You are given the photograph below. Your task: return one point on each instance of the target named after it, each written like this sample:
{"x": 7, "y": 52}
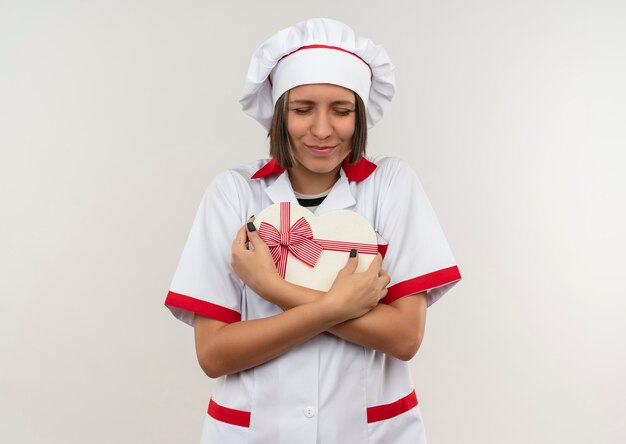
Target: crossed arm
{"x": 349, "y": 310}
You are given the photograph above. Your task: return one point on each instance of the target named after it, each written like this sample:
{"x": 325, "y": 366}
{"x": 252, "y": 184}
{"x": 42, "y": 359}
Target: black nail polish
{"x": 251, "y": 226}
{"x": 353, "y": 252}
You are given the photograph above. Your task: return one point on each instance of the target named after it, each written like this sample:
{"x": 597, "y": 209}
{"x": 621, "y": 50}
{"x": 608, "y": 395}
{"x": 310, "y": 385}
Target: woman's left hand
{"x": 255, "y": 267}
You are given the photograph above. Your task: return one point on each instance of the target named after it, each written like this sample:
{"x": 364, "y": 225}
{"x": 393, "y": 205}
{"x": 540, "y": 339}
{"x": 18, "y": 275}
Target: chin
{"x": 321, "y": 166}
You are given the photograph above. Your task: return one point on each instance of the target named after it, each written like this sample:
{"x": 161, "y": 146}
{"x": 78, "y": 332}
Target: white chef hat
{"x": 317, "y": 50}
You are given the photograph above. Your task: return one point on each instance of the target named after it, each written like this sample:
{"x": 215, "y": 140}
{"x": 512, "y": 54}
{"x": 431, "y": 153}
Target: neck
{"x": 311, "y": 183}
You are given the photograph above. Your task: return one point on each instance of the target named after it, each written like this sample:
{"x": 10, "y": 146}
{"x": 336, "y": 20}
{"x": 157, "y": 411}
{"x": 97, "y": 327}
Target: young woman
{"x": 295, "y": 365}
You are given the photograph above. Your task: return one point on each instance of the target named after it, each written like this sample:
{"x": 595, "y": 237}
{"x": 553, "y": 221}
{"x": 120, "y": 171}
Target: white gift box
{"x": 310, "y": 250}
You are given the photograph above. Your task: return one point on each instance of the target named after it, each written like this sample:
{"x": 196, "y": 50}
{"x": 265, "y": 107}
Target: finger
{"x": 253, "y": 236}
{"x": 386, "y": 279}
{"x": 382, "y": 273}
{"x": 352, "y": 263}
{"x": 376, "y": 263}
{"x": 383, "y": 281}
{"x": 383, "y": 293}
{"x": 240, "y": 238}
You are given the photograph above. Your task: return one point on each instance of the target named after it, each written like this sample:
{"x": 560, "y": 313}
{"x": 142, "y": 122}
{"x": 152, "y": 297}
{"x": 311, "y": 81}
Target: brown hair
{"x": 280, "y": 146}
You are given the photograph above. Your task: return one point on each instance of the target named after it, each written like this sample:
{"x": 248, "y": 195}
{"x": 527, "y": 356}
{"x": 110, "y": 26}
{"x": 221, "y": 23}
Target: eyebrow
{"x": 311, "y": 102}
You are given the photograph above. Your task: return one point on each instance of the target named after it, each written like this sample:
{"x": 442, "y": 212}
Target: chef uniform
{"x": 326, "y": 390}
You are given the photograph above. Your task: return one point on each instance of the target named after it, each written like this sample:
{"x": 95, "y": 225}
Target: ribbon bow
{"x": 296, "y": 239}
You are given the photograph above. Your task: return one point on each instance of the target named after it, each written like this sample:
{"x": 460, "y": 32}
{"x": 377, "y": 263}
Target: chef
{"x": 292, "y": 364}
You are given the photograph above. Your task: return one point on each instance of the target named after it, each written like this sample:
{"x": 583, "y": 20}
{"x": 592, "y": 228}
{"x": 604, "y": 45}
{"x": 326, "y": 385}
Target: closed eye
{"x": 343, "y": 111}
{"x": 301, "y": 110}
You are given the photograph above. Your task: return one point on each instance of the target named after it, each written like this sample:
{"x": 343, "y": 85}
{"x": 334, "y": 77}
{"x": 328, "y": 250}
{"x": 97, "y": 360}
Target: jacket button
{"x": 309, "y": 412}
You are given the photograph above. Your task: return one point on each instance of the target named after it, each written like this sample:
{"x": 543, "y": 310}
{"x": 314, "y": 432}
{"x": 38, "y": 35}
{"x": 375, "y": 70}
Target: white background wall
{"x": 114, "y": 115}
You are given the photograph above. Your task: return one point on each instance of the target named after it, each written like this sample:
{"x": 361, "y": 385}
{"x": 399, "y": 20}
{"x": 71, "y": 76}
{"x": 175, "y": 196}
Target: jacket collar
{"x": 357, "y": 172}
{"x": 340, "y": 196}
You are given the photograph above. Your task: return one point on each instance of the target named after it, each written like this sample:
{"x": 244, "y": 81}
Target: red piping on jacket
{"x": 202, "y": 308}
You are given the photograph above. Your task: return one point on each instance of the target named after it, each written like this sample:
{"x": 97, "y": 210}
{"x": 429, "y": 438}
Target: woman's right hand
{"x": 255, "y": 267}
{"x": 354, "y": 294}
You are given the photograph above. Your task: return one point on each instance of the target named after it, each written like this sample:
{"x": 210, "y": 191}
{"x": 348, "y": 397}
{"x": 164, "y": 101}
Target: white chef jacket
{"x": 326, "y": 390}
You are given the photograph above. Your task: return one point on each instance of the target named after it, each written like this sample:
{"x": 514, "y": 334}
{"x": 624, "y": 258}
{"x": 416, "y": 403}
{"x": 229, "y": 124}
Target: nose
{"x": 321, "y": 126}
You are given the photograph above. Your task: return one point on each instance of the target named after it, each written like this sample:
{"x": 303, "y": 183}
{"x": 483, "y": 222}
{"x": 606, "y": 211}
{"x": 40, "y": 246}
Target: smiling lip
{"x": 321, "y": 150}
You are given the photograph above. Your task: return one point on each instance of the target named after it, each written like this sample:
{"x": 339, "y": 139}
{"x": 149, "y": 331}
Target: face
{"x": 320, "y": 122}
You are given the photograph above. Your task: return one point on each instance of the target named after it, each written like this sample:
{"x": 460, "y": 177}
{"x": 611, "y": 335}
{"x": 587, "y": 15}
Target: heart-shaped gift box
{"x": 310, "y": 250}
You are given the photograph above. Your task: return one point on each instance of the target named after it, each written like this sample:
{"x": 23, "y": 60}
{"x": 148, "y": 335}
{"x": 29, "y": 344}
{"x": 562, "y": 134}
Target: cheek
{"x": 346, "y": 130}
{"x": 296, "y": 128}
